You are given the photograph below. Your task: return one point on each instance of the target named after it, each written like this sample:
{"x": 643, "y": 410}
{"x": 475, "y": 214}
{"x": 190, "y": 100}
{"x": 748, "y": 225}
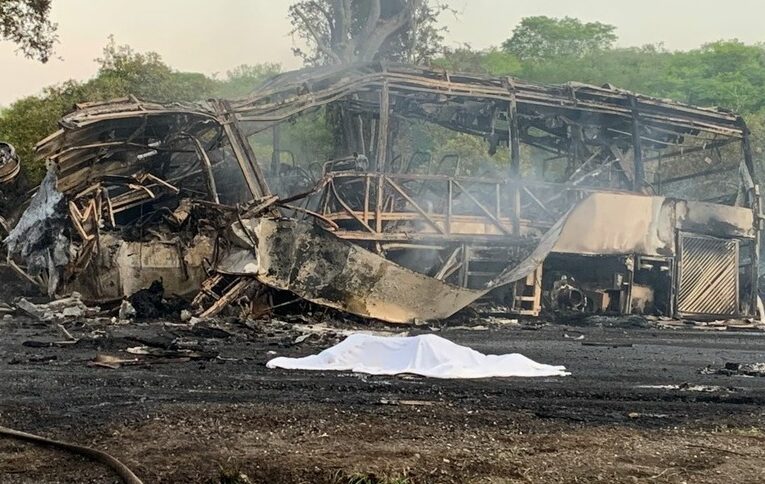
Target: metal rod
{"x": 382, "y": 144}
{"x": 638, "y": 181}
{"x": 486, "y": 211}
{"x": 414, "y": 204}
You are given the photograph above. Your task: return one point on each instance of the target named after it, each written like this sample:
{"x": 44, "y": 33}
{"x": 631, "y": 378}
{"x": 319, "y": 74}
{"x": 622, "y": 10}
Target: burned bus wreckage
{"x": 601, "y": 200}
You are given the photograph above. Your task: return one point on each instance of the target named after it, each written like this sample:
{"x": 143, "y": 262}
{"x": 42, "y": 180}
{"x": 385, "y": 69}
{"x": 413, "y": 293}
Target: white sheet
{"x": 426, "y": 355}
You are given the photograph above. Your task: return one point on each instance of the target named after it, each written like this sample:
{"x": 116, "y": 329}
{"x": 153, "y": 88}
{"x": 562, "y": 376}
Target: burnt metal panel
{"x": 707, "y": 276}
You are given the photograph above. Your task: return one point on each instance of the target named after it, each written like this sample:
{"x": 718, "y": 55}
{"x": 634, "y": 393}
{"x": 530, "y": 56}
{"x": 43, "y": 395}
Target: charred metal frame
{"x": 115, "y": 158}
{"x": 634, "y": 130}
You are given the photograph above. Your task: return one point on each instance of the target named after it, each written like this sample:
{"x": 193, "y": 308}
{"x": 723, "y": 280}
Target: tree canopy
{"x": 725, "y": 73}
{"x": 345, "y": 31}
{"x": 539, "y": 38}
{"x": 27, "y": 24}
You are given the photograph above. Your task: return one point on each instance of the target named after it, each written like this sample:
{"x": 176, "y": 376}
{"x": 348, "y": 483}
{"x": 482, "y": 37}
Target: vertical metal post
{"x": 515, "y": 160}
{"x": 639, "y": 181}
{"x": 360, "y": 134}
{"x": 382, "y": 152}
{"x": 366, "y": 198}
{"x": 379, "y": 203}
{"x": 275, "y": 156}
{"x": 207, "y": 171}
{"x": 449, "y": 196}
{"x": 382, "y": 142}
{"x": 373, "y": 135}
{"x": 465, "y": 272}
{"x": 658, "y": 174}
{"x": 756, "y": 251}
{"x": 498, "y": 200}
{"x": 240, "y": 145}
{"x": 756, "y": 206}
{"x": 746, "y": 146}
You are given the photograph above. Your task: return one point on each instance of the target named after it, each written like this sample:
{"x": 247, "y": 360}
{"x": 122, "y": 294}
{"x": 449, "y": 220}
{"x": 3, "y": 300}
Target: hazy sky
{"x": 215, "y": 35}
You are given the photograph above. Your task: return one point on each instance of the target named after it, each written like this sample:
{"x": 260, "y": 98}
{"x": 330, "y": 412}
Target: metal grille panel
{"x": 708, "y": 275}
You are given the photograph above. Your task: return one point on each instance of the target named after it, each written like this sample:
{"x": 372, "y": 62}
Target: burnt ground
{"x": 209, "y": 420}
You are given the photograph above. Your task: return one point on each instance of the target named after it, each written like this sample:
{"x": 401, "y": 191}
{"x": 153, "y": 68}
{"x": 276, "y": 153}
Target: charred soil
{"x": 637, "y": 407}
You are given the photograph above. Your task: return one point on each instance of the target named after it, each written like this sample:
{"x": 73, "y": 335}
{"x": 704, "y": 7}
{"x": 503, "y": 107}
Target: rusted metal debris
{"x": 9, "y": 163}
{"x": 140, "y": 192}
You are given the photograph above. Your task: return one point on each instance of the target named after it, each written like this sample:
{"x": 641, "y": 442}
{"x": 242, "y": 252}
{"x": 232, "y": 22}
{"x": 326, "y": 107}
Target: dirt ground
{"x": 636, "y": 408}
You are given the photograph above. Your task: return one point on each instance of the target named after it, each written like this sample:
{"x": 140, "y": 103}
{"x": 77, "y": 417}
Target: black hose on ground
{"x": 118, "y": 467}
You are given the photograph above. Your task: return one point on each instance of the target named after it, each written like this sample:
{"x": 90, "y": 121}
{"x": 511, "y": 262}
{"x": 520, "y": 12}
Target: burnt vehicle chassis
{"x": 651, "y": 206}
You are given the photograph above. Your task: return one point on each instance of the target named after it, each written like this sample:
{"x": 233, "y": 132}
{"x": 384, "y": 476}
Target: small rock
{"x": 186, "y": 315}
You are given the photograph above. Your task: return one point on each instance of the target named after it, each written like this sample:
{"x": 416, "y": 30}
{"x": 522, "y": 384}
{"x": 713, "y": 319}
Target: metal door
{"x": 707, "y": 276}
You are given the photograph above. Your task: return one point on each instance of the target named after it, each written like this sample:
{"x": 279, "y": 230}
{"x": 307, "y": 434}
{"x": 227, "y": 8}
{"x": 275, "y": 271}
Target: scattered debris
{"x": 497, "y": 321}
{"x": 127, "y": 310}
{"x": 111, "y": 362}
{"x": 741, "y": 369}
{"x": 577, "y": 337}
{"x": 302, "y": 338}
{"x": 647, "y": 415}
{"x": 68, "y": 307}
{"x": 150, "y": 303}
{"x": 721, "y": 325}
{"x": 606, "y": 344}
{"x": 687, "y": 387}
{"x": 151, "y": 355}
{"x": 182, "y": 354}
{"x": 413, "y": 403}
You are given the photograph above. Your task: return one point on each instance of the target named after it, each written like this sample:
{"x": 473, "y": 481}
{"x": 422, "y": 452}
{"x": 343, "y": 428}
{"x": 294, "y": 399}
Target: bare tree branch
{"x": 341, "y": 36}
{"x": 372, "y": 19}
{"x": 345, "y": 31}
{"x": 320, "y": 43}
{"x": 324, "y": 11}
{"x": 371, "y": 45}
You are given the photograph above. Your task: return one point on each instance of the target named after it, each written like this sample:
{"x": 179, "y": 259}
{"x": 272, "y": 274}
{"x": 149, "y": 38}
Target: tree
{"x": 493, "y": 62}
{"x": 243, "y": 79}
{"x": 725, "y": 73}
{"x": 539, "y": 38}
{"x": 346, "y": 31}
{"x": 27, "y": 24}
{"x": 121, "y": 72}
